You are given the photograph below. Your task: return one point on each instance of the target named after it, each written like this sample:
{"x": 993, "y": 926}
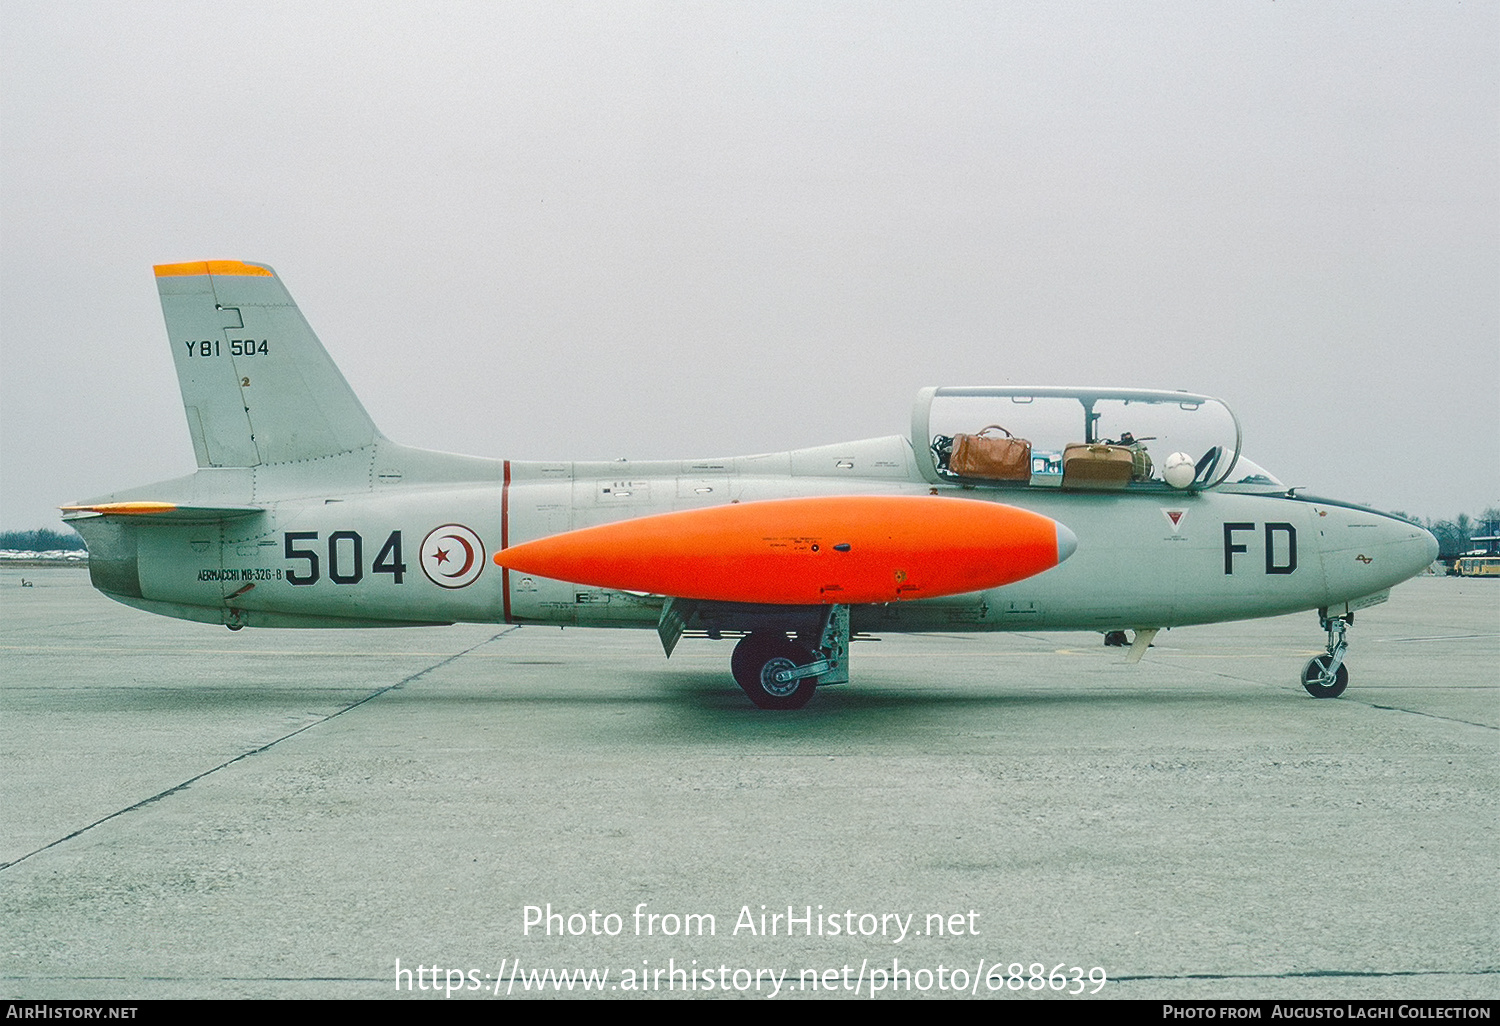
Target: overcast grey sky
{"x": 571, "y": 231}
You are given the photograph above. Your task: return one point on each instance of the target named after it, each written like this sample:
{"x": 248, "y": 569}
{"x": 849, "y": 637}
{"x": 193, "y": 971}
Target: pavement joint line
{"x": 1315, "y": 974}
{"x": 1356, "y": 701}
{"x": 256, "y": 751}
{"x": 1227, "y": 676}
{"x": 1437, "y": 637}
{"x": 1432, "y": 716}
{"x": 1371, "y": 705}
{"x": 177, "y": 650}
{"x": 78, "y": 623}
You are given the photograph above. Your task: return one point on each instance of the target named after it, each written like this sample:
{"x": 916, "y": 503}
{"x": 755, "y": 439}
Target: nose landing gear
{"x": 1326, "y": 676}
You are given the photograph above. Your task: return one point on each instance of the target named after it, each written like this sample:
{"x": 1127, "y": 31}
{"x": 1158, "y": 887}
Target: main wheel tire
{"x": 1314, "y": 673}
{"x": 747, "y": 656}
{"x": 756, "y": 661}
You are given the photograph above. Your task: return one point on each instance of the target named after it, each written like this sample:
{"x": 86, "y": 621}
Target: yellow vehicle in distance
{"x": 1482, "y": 561}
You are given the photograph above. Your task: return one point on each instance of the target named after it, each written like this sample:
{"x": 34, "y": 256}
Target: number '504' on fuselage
{"x": 1014, "y": 508}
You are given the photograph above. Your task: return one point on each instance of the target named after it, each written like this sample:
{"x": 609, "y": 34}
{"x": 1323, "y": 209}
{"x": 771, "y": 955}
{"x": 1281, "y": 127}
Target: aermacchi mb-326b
{"x": 1012, "y": 508}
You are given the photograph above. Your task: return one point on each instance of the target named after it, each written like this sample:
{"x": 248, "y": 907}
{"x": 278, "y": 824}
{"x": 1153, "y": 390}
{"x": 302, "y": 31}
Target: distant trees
{"x": 1456, "y": 536}
{"x": 41, "y": 540}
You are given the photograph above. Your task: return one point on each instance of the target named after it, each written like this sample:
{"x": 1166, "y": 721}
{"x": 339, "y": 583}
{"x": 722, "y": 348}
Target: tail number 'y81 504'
{"x": 237, "y": 347}
{"x": 345, "y": 557}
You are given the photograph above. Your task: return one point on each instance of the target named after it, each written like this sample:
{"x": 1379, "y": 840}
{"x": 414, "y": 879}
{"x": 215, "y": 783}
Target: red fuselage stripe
{"x": 505, "y": 539}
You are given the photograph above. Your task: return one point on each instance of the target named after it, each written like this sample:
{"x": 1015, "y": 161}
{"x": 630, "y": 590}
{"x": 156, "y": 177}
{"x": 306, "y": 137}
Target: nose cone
{"x": 1067, "y": 542}
{"x": 1369, "y": 551}
{"x": 1409, "y": 549}
{"x": 1429, "y": 548}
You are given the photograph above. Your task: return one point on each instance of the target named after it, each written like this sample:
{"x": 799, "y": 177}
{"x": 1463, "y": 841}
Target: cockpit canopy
{"x": 1076, "y": 438}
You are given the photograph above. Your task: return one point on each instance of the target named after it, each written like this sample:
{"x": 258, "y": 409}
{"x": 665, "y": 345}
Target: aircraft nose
{"x": 1411, "y": 549}
{"x": 1407, "y": 549}
{"x": 1367, "y": 551}
{"x": 1430, "y": 547}
{"x": 1067, "y": 542}
{"x": 1426, "y": 550}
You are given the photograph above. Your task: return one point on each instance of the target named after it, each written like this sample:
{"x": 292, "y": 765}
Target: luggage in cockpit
{"x": 991, "y": 456}
{"x": 1097, "y": 466}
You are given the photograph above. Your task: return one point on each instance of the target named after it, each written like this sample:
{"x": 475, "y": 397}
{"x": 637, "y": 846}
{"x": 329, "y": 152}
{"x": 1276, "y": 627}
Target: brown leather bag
{"x": 995, "y": 459}
{"x": 1097, "y": 466}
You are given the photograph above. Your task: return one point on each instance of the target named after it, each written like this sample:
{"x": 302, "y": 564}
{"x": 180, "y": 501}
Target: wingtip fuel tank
{"x": 808, "y": 551}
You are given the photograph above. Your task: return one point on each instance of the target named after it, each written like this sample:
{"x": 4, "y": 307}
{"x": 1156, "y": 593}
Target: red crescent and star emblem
{"x": 452, "y": 556}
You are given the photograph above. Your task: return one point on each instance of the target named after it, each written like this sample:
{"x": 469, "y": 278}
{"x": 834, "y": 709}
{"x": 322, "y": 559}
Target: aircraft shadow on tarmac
{"x": 686, "y": 696}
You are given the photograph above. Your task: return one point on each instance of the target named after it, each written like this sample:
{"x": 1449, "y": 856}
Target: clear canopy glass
{"x": 1171, "y": 440}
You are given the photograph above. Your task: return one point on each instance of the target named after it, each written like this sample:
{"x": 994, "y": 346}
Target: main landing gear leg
{"x": 1326, "y": 676}
{"x": 777, "y": 672}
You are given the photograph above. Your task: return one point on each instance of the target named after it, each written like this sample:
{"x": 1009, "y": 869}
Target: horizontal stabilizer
{"x": 159, "y": 511}
{"x": 848, "y": 550}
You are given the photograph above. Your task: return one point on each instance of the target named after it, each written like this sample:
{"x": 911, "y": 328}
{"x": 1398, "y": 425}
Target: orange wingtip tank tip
{"x": 227, "y": 267}
{"x": 123, "y": 508}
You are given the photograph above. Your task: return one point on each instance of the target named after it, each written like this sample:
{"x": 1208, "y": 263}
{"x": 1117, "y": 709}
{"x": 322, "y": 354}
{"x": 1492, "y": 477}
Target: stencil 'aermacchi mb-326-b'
{"x": 1009, "y": 508}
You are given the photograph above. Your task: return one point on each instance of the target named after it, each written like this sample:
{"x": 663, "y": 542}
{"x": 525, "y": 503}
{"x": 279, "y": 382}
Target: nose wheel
{"x": 1326, "y": 676}
{"x": 1321, "y": 682}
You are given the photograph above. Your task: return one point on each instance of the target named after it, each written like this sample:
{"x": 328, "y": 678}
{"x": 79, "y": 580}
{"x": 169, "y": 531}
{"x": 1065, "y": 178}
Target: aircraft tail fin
{"x": 257, "y": 385}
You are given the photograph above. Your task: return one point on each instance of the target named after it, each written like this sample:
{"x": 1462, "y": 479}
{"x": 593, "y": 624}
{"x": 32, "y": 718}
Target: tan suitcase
{"x": 992, "y": 458}
{"x": 1097, "y": 466}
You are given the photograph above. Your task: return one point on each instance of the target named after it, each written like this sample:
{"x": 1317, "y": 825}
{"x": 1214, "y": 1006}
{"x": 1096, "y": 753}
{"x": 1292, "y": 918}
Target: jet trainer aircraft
{"x": 1014, "y": 508}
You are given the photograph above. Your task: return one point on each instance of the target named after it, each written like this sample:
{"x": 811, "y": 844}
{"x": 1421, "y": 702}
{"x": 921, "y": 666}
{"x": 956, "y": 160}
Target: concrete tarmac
{"x": 187, "y": 812}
